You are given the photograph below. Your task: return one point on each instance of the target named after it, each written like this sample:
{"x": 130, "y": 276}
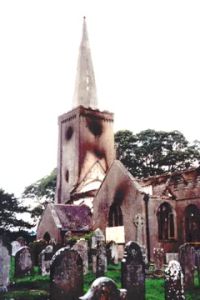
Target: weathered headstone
{"x": 171, "y": 256}
{"x": 139, "y": 223}
{"x": 23, "y": 262}
{"x": 15, "y": 247}
{"x": 187, "y": 261}
{"x": 45, "y": 259}
{"x": 97, "y": 238}
{"x": 66, "y": 275}
{"x": 133, "y": 272}
{"x": 159, "y": 257}
{"x": 174, "y": 286}
{"x": 82, "y": 248}
{"x": 112, "y": 252}
{"x": 101, "y": 261}
{"x": 104, "y": 288}
{"x": 4, "y": 267}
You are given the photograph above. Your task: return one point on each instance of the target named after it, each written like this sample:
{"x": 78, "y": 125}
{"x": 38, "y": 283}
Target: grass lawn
{"x": 36, "y": 287}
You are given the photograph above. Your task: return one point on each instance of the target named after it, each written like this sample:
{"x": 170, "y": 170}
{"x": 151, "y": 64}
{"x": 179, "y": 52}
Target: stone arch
{"x": 166, "y": 222}
{"x": 192, "y": 223}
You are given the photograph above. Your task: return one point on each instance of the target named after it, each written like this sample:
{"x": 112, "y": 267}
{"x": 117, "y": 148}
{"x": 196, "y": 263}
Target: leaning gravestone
{"x": 104, "y": 288}
{"x": 81, "y": 247}
{"x": 4, "y": 267}
{"x": 174, "y": 286}
{"x": 23, "y": 262}
{"x": 187, "y": 261}
{"x": 133, "y": 272}
{"x": 45, "y": 260}
{"x": 66, "y": 275}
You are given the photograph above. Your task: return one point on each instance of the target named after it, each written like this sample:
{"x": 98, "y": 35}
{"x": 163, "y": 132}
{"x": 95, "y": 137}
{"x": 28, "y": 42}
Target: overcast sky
{"x": 146, "y": 57}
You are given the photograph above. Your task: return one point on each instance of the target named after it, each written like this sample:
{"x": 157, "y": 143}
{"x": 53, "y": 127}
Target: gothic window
{"x": 192, "y": 223}
{"x": 165, "y": 222}
{"x": 115, "y": 216}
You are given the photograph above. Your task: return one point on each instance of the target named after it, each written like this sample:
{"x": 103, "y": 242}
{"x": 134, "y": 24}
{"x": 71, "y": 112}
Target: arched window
{"x": 165, "y": 222}
{"x": 192, "y": 223}
{"x": 47, "y": 237}
{"x": 115, "y": 216}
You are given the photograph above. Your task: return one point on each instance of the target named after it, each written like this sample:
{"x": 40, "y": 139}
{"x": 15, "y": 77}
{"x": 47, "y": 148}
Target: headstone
{"x": 187, "y": 261}
{"x": 23, "y": 262}
{"x": 45, "y": 259}
{"x": 101, "y": 260}
{"x": 104, "y": 288}
{"x": 98, "y": 236}
{"x": 171, "y": 256}
{"x": 133, "y": 272}
{"x": 112, "y": 253}
{"x": 159, "y": 257}
{"x": 4, "y": 267}
{"x": 15, "y": 247}
{"x": 174, "y": 286}
{"x": 139, "y": 223}
{"x": 66, "y": 275}
{"x": 82, "y": 248}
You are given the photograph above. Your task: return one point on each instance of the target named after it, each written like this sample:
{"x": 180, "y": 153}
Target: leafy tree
{"x": 10, "y": 208}
{"x": 43, "y": 190}
{"x": 153, "y": 152}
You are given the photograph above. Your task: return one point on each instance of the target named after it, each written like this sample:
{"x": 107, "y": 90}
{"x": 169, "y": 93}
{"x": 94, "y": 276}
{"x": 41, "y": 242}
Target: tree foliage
{"x": 10, "y": 208}
{"x": 153, "y": 152}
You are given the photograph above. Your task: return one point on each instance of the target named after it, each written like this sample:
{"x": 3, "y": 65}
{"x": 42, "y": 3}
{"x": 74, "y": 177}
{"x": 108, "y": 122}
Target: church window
{"x": 69, "y": 133}
{"x": 47, "y": 237}
{"x": 115, "y": 216}
{"x": 192, "y": 223}
{"x": 165, "y": 222}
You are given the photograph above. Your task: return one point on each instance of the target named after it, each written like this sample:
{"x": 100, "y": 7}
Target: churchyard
{"x": 92, "y": 269}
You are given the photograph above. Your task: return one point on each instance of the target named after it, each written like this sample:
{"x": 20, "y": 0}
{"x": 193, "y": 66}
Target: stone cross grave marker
{"x": 4, "y": 267}
{"x": 66, "y": 275}
{"x": 104, "y": 288}
{"x": 139, "y": 223}
{"x": 45, "y": 259}
{"x": 23, "y": 262}
{"x": 81, "y": 247}
{"x": 133, "y": 272}
{"x": 187, "y": 261}
{"x": 174, "y": 285}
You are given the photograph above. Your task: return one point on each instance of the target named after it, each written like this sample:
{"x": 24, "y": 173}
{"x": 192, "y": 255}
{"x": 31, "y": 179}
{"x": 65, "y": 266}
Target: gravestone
{"x": 97, "y": 237}
{"x": 4, "y": 267}
{"x": 139, "y": 223}
{"x": 187, "y": 261}
{"x": 101, "y": 259}
{"x": 112, "y": 252}
{"x": 174, "y": 286}
{"x": 23, "y": 262}
{"x": 133, "y": 272}
{"x": 45, "y": 259}
{"x": 171, "y": 256}
{"x": 104, "y": 288}
{"x": 159, "y": 257}
{"x": 66, "y": 275}
{"x": 15, "y": 247}
{"x": 82, "y": 248}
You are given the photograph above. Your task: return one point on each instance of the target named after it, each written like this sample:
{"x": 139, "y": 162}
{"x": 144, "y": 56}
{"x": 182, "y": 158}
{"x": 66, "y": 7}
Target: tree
{"x": 10, "y": 208}
{"x": 153, "y": 152}
{"x": 43, "y": 190}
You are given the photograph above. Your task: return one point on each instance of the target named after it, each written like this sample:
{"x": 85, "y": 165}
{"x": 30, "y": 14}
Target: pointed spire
{"x": 85, "y": 87}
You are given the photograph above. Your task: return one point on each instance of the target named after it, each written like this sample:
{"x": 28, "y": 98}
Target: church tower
{"x": 86, "y": 139}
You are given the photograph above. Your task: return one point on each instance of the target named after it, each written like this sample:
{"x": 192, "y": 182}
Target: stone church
{"x": 94, "y": 190}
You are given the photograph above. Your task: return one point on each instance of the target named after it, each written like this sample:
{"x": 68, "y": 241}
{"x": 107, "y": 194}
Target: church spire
{"x": 85, "y": 87}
